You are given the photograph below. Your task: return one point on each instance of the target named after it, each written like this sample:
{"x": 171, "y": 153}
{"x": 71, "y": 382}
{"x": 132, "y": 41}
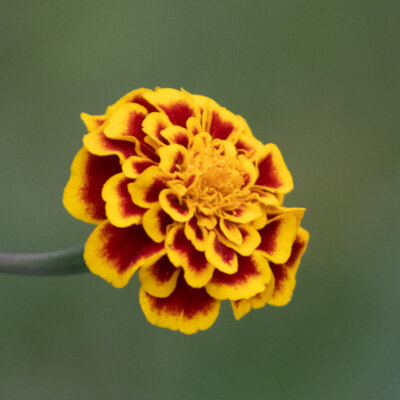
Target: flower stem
{"x": 61, "y": 262}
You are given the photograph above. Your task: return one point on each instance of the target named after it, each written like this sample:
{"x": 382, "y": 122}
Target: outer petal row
{"x": 273, "y": 172}
{"x": 120, "y": 209}
{"x": 82, "y": 195}
{"x": 99, "y": 144}
{"x": 116, "y": 253}
{"x": 279, "y": 290}
{"x": 285, "y": 274}
{"x": 252, "y": 275}
{"x": 159, "y": 279}
{"x": 178, "y": 105}
{"x": 277, "y": 237}
{"x": 187, "y": 309}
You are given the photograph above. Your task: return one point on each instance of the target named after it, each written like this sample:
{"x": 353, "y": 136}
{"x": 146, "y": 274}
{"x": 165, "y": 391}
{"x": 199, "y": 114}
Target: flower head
{"x": 182, "y": 192}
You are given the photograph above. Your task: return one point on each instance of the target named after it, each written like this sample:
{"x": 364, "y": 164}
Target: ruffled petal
{"x": 277, "y": 237}
{"x": 178, "y": 135}
{"x": 231, "y": 231}
{"x": 220, "y": 255}
{"x": 177, "y": 105}
{"x": 92, "y": 121}
{"x": 285, "y": 274}
{"x": 242, "y": 306}
{"x": 220, "y": 122}
{"x": 126, "y": 123}
{"x": 206, "y": 221}
{"x": 273, "y": 172}
{"x": 172, "y": 157}
{"x": 154, "y": 124}
{"x": 252, "y": 275}
{"x": 159, "y": 279}
{"x": 120, "y": 209}
{"x": 147, "y": 187}
{"x": 251, "y": 239}
{"x": 248, "y": 145}
{"x": 135, "y": 165}
{"x": 193, "y": 125}
{"x": 135, "y": 96}
{"x": 196, "y": 234}
{"x": 265, "y": 197}
{"x": 298, "y": 212}
{"x": 155, "y": 223}
{"x": 187, "y": 309}
{"x": 248, "y": 172}
{"x": 82, "y": 195}
{"x": 245, "y": 213}
{"x": 261, "y": 221}
{"x": 225, "y": 148}
{"x": 116, "y": 253}
{"x": 198, "y": 271}
{"x": 99, "y": 144}
{"x": 175, "y": 206}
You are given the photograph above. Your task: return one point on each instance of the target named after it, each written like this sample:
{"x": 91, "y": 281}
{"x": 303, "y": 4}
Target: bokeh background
{"x": 318, "y": 78}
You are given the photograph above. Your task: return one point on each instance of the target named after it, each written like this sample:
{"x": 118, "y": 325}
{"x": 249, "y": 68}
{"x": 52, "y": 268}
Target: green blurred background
{"x": 318, "y": 78}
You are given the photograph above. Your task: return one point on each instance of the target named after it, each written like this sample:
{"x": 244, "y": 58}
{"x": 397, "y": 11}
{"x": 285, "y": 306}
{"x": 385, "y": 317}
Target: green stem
{"x": 61, "y": 262}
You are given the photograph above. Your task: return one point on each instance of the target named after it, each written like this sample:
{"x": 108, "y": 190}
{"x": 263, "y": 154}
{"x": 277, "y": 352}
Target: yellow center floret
{"x": 214, "y": 177}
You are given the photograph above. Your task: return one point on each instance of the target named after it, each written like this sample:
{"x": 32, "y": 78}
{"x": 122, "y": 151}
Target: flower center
{"x": 219, "y": 175}
{"x": 215, "y": 177}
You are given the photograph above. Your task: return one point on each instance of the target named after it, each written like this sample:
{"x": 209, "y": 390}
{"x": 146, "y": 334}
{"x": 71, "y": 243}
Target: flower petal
{"x": 135, "y": 96}
{"x": 285, "y": 274}
{"x": 248, "y": 145}
{"x": 265, "y": 197}
{"x": 252, "y": 275}
{"x": 245, "y": 213}
{"x": 221, "y": 123}
{"x": 198, "y": 271}
{"x": 116, "y": 253}
{"x": 231, "y": 231}
{"x": 135, "y": 165}
{"x": 221, "y": 256}
{"x": 120, "y": 209}
{"x": 82, "y": 195}
{"x": 193, "y": 125}
{"x": 178, "y": 106}
{"x": 154, "y": 124}
{"x": 298, "y": 212}
{"x": 99, "y": 144}
{"x": 159, "y": 279}
{"x": 178, "y": 135}
{"x": 206, "y": 221}
{"x": 126, "y": 123}
{"x": 261, "y": 221}
{"x": 250, "y": 240}
{"x": 273, "y": 172}
{"x": 187, "y": 309}
{"x": 175, "y": 206}
{"x": 155, "y": 223}
{"x": 172, "y": 157}
{"x": 248, "y": 172}
{"x": 92, "y": 121}
{"x": 242, "y": 306}
{"x": 196, "y": 234}
{"x": 277, "y": 237}
{"x": 147, "y": 187}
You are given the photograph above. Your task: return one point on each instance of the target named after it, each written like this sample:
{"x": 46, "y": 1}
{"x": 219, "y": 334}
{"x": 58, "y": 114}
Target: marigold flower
{"x": 182, "y": 191}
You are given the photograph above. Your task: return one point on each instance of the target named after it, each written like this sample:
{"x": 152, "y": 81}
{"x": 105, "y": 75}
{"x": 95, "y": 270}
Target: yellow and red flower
{"x": 182, "y": 191}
